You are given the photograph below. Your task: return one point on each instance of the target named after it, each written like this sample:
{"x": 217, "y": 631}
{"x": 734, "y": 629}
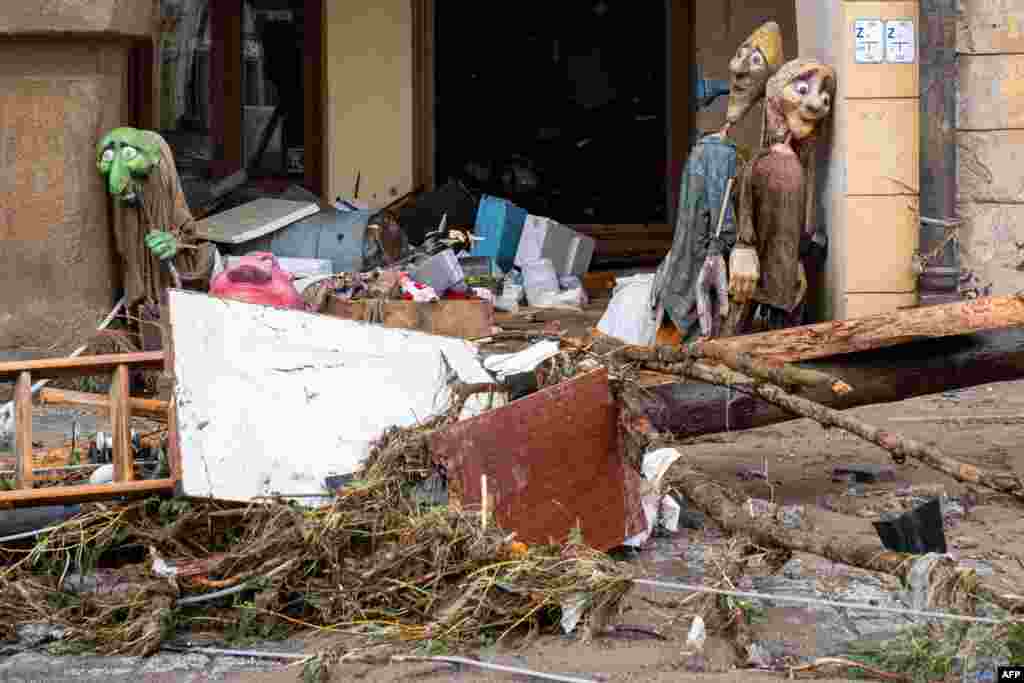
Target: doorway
{"x": 578, "y": 110}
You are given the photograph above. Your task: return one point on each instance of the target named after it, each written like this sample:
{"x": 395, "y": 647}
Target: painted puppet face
{"x": 126, "y": 157}
{"x": 799, "y": 99}
{"x": 756, "y": 60}
{"x": 807, "y": 101}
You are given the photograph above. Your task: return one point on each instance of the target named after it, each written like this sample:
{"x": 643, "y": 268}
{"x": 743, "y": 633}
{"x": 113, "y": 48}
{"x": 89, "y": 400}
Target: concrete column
{"x": 869, "y": 192}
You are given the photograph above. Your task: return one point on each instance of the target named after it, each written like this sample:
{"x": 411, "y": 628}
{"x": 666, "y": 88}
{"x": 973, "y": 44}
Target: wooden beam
{"x": 123, "y": 456}
{"x": 314, "y": 88}
{"x": 879, "y": 331}
{"x": 24, "y": 463}
{"x": 142, "y": 407}
{"x": 68, "y": 495}
{"x": 53, "y": 368}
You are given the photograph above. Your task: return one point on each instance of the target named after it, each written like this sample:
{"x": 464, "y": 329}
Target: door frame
{"x": 226, "y": 70}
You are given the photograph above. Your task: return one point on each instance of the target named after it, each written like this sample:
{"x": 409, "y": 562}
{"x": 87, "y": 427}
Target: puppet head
{"x": 756, "y": 60}
{"x": 126, "y": 157}
{"x": 799, "y": 99}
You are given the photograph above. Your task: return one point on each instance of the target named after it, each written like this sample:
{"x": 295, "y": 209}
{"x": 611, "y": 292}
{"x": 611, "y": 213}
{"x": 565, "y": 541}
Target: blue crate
{"x": 500, "y": 223}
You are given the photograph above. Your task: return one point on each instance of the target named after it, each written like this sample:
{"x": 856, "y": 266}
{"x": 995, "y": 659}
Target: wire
{"x": 816, "y": 601}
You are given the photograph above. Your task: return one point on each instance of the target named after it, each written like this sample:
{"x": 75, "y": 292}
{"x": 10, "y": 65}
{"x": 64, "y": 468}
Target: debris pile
{"x": 373, "y": 564}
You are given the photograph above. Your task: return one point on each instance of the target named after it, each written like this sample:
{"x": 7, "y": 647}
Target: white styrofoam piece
{"x": 297, "y": 267}
{"x": 253, "y": 220}
{"x": 581, "y": 253}
{"x": 273, "y": 401}
{"x": 544, "y": 238}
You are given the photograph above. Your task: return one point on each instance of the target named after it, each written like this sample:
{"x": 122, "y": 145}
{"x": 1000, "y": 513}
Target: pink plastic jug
{"x": 257, "y": 279}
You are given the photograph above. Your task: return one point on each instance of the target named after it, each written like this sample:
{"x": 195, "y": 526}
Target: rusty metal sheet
{"x": 551, "y": 459}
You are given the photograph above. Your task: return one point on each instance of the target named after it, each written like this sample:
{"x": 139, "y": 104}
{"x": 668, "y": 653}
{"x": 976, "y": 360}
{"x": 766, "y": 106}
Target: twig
{"x": 900, "y": 446}
{"x": 206, "y": 597}
{"x": 839, "y": 661}
{"x": 463, "y": 661}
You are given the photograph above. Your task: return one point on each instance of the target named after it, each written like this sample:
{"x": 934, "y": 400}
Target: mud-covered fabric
{"x": 772, "y": 215}
{"x": 163, "y": 208}
{"x": 711, "y": 163}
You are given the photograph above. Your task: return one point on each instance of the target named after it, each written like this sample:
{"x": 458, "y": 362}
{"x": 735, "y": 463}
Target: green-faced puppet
{"x": 126, "y": 157}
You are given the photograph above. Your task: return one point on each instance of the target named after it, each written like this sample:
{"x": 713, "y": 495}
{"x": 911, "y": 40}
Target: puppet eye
{"x": 108, "y": 156}
{"x": 802, "y": 88}
{"x": 129, "y": 153}
{"x": 756, "y": 59}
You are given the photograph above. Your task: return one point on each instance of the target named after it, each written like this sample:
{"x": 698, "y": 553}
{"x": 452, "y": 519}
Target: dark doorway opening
{"x": 560, "y": 107}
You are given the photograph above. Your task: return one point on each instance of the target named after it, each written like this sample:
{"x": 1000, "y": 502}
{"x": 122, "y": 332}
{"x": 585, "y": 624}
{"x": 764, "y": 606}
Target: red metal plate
{"x": 551, "y": 459}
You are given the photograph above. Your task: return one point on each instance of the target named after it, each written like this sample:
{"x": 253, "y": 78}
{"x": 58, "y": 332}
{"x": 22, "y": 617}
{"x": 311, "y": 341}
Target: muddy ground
{"x": 800, "y": 456}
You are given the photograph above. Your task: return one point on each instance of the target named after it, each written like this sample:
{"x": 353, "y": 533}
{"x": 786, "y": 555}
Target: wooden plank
{"x": 142, "y": 407}
{"x": 315, "y": 90}
{"x": 124, "y": 458}
{"x": 53, "y": 368}
{"x": 879, "y": 331}
{"x": 69, "y": 495}
{"x": 24, "y": 462}
{"x": 466, "y": 319}
{"x": 174, "y": 444}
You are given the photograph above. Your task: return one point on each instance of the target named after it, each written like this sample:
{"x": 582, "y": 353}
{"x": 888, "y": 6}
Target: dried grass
{"x": 372, "y": 563}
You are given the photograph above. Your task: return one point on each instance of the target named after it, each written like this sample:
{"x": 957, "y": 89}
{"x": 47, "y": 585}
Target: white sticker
{"x": 868, "y": 37}
{"x": 899, "y": 42}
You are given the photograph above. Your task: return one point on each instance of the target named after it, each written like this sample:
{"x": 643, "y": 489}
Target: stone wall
{"x": 990, "y": 141}
{"x": 63, "y": 83}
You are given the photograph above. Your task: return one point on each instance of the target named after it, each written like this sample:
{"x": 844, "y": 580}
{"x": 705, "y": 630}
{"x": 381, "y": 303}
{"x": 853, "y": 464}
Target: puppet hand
{"x": 744, "y": 272}
{"x": 164, "y": 245}
{"x": 712, "y": 294}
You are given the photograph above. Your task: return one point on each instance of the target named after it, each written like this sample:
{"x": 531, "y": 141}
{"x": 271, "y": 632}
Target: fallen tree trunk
{"x": 769, "y": 371}
{"x": 689, "y": 409}
{"x": 900, "y": 446}
{"x": 879, "y": 331}
{"x": 724, "y": 506}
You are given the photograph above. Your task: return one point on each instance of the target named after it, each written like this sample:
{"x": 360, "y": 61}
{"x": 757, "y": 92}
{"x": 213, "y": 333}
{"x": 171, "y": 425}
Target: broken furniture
{"x": 121, "y": 408}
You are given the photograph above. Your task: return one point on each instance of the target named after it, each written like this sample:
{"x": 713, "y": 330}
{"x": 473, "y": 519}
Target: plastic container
{"x": 918, "y": 531}
{"x": 258, "y": 279}
{"x": 440, "y": 272}
{"x": 500, "y": 223}
{"x": 581, "y": 253}
{"x": 540, "y": 281}
{"x": 544, "y": 238}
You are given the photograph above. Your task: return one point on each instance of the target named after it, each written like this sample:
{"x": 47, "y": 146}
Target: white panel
{"x": 273, "y": 401}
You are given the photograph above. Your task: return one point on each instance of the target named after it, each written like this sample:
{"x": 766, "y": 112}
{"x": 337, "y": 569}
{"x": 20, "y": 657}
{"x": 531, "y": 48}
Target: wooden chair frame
{"x": 125, "y": 484}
